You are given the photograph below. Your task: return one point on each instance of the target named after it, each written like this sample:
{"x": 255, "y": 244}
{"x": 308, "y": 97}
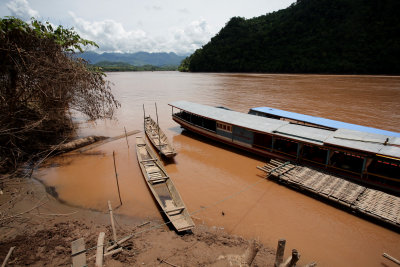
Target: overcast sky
{"x": 179, "y": 26}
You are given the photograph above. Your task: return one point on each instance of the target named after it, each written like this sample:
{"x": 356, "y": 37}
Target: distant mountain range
{"x": 135, "y": 59}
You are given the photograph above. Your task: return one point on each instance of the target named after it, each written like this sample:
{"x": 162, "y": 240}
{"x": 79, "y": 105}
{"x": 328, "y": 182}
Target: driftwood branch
{"x": 387, "y": 256}
{"x": 8, "y": 256}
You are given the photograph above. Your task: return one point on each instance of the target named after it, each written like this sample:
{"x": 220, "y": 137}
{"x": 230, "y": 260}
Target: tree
{"x": 41, "y": 79}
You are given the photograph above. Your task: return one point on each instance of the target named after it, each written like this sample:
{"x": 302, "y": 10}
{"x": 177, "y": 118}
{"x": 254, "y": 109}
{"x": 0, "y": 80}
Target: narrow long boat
{"x": 366, "y": 155}
{"x": 158, "y": 138}
{"x": 162, "y": 187}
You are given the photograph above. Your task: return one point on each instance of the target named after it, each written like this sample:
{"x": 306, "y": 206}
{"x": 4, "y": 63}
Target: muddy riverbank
{"x": 42, "y": 229}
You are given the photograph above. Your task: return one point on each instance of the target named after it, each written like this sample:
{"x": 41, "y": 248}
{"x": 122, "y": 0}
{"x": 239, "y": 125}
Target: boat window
{"x": 262, "y": 140}
{"x": 385, "y": 167}
{"x": 314, "y": 154}
{"x": 347, "y": 161}
{"x": 286, "y": 147}
{"x": 224, "y": 127}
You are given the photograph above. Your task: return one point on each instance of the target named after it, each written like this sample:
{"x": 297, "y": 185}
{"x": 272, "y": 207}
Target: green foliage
{"x": 310, "y": 36}
{"x": 40, "y": 82}
{"x": 68, "y": 39}
{"x": 184, "y": 67}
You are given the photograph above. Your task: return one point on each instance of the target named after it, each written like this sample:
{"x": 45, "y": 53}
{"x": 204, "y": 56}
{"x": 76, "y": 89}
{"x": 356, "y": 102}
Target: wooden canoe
{"x": 162, "y": 187}
{"x": 158, "y": 138}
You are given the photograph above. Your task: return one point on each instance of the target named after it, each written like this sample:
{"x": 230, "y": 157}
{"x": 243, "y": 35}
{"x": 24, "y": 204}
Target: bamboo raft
{"x": 162, "y": 187}
{"x": 158, "y": 138}
{"x": 373, "y": 203}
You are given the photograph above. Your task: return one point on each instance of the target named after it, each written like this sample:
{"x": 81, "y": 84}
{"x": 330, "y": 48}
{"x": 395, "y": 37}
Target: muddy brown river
{"x": 206, "y": 172}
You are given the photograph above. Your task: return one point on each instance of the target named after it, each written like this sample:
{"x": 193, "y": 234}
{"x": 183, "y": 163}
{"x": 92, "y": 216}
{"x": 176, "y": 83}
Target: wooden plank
{"x": 112, "y": 222}
{"x": 100, "y": 250}
{"x": 78, "y": 253}
{"x": 174, "y": 209}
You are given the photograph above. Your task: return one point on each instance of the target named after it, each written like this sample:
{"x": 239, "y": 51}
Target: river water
{"x": 206, "y": 172}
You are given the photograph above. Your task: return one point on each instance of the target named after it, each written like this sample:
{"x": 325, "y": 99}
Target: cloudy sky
{"x": 179, "y": 26}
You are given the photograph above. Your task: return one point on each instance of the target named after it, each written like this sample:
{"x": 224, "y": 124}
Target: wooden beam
{"x": 100, "y": 250}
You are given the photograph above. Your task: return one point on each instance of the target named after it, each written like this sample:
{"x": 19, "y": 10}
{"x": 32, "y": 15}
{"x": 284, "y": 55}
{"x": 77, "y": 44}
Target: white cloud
{"x": 193, "y": 36}
{"x": 111, "y": 36}
{"x": 21, "y": 9}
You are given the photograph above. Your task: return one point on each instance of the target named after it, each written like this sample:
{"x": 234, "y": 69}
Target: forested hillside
{"x": 310, "y": 36}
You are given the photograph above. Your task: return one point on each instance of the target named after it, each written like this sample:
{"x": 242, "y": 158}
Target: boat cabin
{"x": 369, "y": 157}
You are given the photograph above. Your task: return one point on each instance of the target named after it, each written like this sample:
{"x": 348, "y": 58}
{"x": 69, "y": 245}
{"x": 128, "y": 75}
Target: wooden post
{"x": 158, "y": 127}
{"x": 116, "y": 178}
{"x": 387, "y": 256}
{"x": 292, "y": 260}
{"x": 279, "y": 252}
{"x": 250, "y": 254}
{"x": 112, "y": 222}
{"x": 8, "y": 256}
{"x": 100, "y": 250}
{"x": 126, "y": 137}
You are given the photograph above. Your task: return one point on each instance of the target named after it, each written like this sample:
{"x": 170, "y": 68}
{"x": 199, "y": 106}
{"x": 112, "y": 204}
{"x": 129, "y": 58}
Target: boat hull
{"x": 162, "y": 187}
{"x": 158, "y": 138}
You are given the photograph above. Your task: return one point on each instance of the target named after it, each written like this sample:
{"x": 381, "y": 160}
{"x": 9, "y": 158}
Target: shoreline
{"x": 40, "y": 223}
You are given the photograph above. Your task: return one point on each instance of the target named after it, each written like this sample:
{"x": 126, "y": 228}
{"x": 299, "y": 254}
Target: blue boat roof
{"x": 322, "y": 121}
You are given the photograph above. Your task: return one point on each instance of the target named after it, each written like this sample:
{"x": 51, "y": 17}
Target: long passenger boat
{"x": 370, "y": 157}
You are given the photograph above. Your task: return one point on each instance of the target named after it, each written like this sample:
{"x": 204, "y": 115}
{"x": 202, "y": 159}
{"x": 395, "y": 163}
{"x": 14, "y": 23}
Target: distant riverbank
{"x": 123, "y": 66}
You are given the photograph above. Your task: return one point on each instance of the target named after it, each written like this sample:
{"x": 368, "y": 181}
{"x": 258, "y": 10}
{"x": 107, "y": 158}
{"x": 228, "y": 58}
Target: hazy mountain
{"x": 135, "y": 59}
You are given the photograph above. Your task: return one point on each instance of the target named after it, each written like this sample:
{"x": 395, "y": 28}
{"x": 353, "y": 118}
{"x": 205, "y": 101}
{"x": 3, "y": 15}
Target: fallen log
{"x": 78, "y": 143}
{"x": 85, "y": 143}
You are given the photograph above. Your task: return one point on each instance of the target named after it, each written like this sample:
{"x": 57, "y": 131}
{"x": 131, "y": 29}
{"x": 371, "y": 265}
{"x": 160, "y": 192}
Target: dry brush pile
{"x": 41, "y": 80}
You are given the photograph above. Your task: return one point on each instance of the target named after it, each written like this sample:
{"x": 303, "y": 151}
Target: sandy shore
{"x": 42, "y": 229}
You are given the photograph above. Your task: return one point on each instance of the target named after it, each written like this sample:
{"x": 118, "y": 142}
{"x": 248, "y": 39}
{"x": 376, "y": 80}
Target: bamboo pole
{"x": 124, "y": 239}
{"x": 158, "y": 127}
{"x": 112, "y": 252}
{"x": 8, "y": 256}
{"x": 387, "y": 256}
{"x": 144, "y": 120}
{"x": 116, "y": 178}
{"x": 100, "y": 250}
{"x": 112, "y": 222}
{"x": 126, "y": 137}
